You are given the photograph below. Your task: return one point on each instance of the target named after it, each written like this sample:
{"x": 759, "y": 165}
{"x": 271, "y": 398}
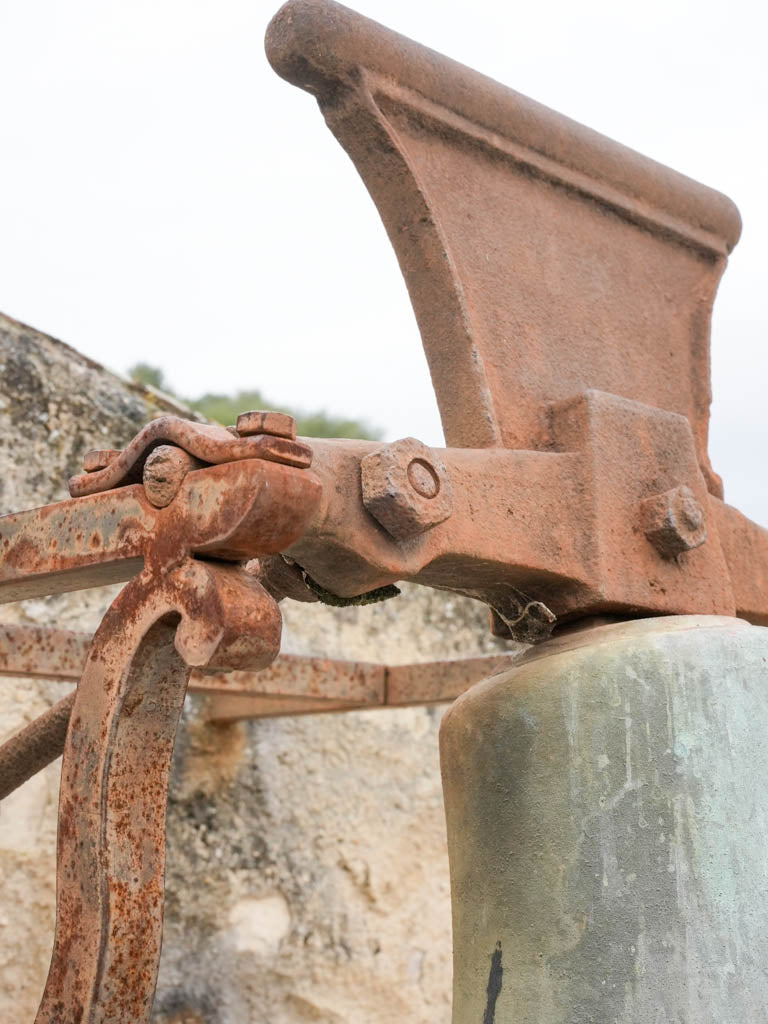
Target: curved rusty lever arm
{"x": 111, "y": 841}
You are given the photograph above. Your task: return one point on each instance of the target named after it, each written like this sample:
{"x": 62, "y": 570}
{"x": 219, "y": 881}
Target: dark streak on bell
{"x": 494, "y": 985}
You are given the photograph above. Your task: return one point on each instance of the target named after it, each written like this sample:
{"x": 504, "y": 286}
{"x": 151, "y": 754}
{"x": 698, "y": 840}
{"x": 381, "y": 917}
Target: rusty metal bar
{"x": 437, "y": 681}
{"x": 35, "y": 746}
{"x": 49, "y": 653}
{"x": 236, "y": 707}
{"x": 291, "y": 685}
{"x": 106, "y": 537}
{"x": 298, "y": 677}
{"x": 43, "y": 652}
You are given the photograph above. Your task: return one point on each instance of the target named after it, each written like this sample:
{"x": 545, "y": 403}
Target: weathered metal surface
{"x": 277, "y": 424}
{"x": 99, "y": 458}
{"x": 674, "y": 522}
{"x": 34, "y": 747}
{"x": 42, "y": 652}
{"x": 563, "y": 285}
{"x": 297, "y": 677}
{"x": 234, "y": 707}
{"x": 304, "y": 686}
{"x": 115, "y": 773}
{"x": 563, "y": 527}
{"x": 207, "y": 442}
{"x": 437, "y": 681}
{"x": 541, "y": 258}
{"x": 555, "y": 529}
{"x": 406, "y": 488}
{"x": 105, "y": 537}
{"x": 47, "y": 653}
{"x": 179, "y": 612}
{"x": 292, "y": 684}
{"x": 745, "y": 546}
{"x": 164, "y": 470}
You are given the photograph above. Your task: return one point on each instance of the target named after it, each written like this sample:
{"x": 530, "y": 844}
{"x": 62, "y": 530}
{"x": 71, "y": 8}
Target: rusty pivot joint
{"x": 175, "y": 513}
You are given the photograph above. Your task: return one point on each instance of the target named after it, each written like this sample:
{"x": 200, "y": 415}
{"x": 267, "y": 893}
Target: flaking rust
{"x": 178, "y": 612}
{"x": 576, "y": 481}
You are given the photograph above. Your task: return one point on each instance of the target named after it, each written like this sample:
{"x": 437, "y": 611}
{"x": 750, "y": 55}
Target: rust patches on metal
{"x": 208, "y": 443}
{"x": 115, "y": 776}
{"x": 276, "y": 424}
{"x": 178, "y": 613}
{"x": 293, "y": 675}
{"x": 291, "y": 684}
{"x": 566, "y": 409}
{"x": 34, "y": 747}
{"x": 99, "y": 458}
{"x": 674, "y": 522}
{"x": 111, "y": 828}
{"x": 537, "y": 534}
{"x": 164, "y": 470}
{"x": 434, "y": 682}
{"x": 230, "y": 511}
{"x": 576, "y": 418}
{"x": 42, "y": 652}
{"x": 296, "y": 685}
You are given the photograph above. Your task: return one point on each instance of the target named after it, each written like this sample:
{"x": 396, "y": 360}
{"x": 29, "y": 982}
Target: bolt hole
{"x": 423, "y": 479}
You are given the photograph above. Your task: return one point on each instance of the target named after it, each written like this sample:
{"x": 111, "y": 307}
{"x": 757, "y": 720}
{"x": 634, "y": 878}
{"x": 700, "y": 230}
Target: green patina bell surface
{"x": 607, "y": 809}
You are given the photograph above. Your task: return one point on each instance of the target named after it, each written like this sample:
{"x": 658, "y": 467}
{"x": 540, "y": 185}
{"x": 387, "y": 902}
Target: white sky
{"x": 165, "y": 197}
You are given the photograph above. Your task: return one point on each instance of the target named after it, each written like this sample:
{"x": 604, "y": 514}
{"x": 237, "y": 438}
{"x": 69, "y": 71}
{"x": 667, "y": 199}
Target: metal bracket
{"x": 563, "y": 285}
{"x": 190, "y": 605}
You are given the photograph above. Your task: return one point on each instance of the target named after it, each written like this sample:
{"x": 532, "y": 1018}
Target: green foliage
{"x": 225, "y": 409}
{"x": 320, "y": 424}
{"x": 152, "y": 375}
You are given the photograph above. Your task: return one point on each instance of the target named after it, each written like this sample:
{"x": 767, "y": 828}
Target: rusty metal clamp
{"x": 209, "y": 500}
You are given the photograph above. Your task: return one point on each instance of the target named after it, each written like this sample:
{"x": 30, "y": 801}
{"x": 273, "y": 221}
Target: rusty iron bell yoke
{"x": 563, "y": 286}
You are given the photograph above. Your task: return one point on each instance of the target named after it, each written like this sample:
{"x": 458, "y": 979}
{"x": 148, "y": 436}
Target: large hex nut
{"x": 674, "y": 521}
{"x": 406, "y": 488}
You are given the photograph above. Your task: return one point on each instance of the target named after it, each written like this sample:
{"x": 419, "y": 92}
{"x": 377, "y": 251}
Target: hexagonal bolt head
{"x": 674, "y": 521}
{"x": 277, "y": 424}
{"x": 406, "y": 488}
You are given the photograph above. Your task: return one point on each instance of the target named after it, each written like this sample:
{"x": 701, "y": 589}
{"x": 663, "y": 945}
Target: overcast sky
{"x": 164, "y": 196}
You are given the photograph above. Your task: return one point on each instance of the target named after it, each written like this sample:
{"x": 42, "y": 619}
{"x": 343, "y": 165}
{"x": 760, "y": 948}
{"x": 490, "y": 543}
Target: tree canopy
{"x": 225, "y": 409}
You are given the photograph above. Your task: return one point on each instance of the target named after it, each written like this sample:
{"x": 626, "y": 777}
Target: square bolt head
{"x": 277, "y": 424}
{"x": 406, "y": 488}
{"x": 674, "y": 521}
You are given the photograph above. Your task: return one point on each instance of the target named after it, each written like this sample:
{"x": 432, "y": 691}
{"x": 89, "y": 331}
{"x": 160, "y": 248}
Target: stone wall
{"x": 306, "y": 878}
